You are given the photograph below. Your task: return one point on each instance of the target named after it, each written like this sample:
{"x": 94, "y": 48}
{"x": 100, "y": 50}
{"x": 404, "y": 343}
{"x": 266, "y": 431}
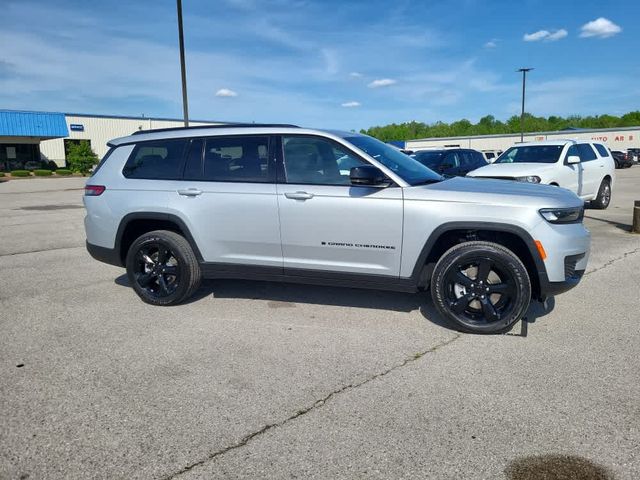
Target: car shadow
{"x": 284, "y": 294}
{"x": 622, "y": 226}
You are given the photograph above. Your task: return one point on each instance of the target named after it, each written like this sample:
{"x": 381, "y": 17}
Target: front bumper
{"x": 550, "y": 289}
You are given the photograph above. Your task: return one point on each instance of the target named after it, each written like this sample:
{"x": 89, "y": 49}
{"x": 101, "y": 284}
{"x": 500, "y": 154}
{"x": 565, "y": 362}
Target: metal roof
{"x": 15, "y": 123}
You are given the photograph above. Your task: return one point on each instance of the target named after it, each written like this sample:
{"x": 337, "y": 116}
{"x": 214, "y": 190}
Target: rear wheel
{"x": 481, "y": 287}
{"x": 604, "y": 196}
{"x": 162, "y": 268}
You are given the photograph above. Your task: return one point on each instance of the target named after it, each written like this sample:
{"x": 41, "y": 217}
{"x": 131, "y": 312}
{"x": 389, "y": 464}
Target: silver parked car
{"x": 282, "y": 203}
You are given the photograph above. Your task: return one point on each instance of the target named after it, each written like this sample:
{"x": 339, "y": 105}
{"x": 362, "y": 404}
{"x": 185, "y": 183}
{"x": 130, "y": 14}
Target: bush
{"x": 81, "y": 158}
{"x": 1, "y": 174}
{"x": 20, "y": 173}
{"x": 63, "y": 171}
{"x": 42, "y": 173}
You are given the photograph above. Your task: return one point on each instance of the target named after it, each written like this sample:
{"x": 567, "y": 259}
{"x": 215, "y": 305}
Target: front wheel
{"x": 604, "y": 196}
{"x": 162, "y": 268}
{"x": 481, "y": 287}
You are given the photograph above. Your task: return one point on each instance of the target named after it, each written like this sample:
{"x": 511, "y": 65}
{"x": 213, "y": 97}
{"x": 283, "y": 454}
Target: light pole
{"x": 524, "y": 82}
{"x": 185, "y": 102}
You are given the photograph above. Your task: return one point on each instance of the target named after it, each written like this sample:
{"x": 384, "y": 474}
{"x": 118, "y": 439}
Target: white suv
{"x": 280, "y": 203}
{"x": 585, "y": 168}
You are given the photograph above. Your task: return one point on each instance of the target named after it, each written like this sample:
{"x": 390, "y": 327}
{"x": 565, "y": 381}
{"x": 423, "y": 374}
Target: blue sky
{"x": 334, "y": 64}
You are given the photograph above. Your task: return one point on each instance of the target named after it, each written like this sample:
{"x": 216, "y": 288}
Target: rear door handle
{"x": 190, "y": 192}
{"x": 299, "y": 195}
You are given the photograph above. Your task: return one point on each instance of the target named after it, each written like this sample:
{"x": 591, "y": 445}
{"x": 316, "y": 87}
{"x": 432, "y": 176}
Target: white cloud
{"x": 491, "y": 44}
{"x": 355, "y": 75}
{"x": 382, "y": 82}
{"x": 351, "y": 104}
{"x": 557, "y": 35}
{"x": 225, "y": 92}
{"x": 534, "y": 37}
{"x": 600, "y": 28}
{"x": 330, "y": 61}
{"x": 545, "y": 35}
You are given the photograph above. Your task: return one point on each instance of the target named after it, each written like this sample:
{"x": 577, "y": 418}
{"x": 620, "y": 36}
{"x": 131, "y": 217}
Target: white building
{"x": 615, "y": 138}
{"x": 99, "y": 129}
{"x": 27, "y": 139}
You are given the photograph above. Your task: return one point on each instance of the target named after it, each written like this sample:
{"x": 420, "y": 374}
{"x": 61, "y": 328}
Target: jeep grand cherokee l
{"x": 282, "y": 203}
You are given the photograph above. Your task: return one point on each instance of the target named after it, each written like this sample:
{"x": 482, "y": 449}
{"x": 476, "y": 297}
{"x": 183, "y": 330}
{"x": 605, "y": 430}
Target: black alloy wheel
{"x": 481, "y": 287}
{"x": 162, "y": 268}
{"x": 157, "y": 270}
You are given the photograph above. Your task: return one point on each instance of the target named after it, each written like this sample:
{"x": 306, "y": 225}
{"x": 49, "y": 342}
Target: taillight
{"x": 94, "y": 190}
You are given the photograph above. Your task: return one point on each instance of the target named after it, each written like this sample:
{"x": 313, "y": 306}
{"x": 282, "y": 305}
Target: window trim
{"x": 282, "y": 179}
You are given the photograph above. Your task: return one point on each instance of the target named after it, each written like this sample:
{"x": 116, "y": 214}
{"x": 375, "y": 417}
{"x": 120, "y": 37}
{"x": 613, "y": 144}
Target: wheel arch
{"x": 510, "y": 236}
{"x": 138, "y": 223}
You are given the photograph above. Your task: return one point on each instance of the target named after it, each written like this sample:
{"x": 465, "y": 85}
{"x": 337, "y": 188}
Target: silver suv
{"x": 282, "y": 203}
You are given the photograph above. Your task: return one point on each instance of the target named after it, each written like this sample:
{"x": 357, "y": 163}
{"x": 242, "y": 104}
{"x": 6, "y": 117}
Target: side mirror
{"x": 573, "y": 159}
{"x": 368, "y": 175}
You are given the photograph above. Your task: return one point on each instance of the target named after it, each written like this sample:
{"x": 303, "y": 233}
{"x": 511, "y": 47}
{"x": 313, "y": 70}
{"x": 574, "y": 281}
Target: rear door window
{"x": 238, "y": 159}
{"x": 156, "y": 160}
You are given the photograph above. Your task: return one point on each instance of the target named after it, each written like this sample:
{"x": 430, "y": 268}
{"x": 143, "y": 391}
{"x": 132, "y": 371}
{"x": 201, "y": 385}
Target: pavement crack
{"x": 612, "y": 261}
{"x": 39, "y": 251}
{"x": 317, "y": 404}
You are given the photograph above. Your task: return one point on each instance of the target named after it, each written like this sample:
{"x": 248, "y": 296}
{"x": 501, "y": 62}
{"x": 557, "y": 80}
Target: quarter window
{"x": 158, "y": 160}
{"x": 602, "y": 150}
{"x": 317, "y": 161}
{"x": 586, "y": 152}
{"x": 237, "y": 159}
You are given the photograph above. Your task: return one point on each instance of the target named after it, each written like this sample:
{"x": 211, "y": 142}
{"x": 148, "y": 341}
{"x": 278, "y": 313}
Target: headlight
{"x": 529, "y": 179}
{"x": 562, "y": 215}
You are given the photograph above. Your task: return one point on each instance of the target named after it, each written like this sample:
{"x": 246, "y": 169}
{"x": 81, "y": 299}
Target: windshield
{"x": 531, "y": 154}
{"x": 411, "y": 171}
{"x": 430, "y": 159}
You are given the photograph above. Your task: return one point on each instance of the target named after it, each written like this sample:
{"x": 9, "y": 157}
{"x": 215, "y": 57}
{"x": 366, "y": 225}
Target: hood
{"x": 494, "y": 192}
{"x": 512, "y": 169}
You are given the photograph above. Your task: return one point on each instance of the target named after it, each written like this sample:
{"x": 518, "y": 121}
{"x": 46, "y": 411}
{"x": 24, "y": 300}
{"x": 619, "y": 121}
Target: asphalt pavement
{"x": 259, "y": 380}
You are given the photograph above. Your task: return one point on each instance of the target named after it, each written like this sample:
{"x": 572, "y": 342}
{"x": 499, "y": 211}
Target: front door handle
{"x": 299, "y": 195}
{"x": 190, "y": 192}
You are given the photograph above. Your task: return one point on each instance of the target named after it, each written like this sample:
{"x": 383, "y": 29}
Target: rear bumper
{"x": 105, "y": 255}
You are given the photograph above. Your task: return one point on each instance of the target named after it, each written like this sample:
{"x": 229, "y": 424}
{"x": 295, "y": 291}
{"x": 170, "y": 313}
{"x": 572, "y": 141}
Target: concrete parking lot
{"x": 258, "y": 380}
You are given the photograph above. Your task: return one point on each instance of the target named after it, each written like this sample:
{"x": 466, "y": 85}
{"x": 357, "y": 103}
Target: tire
{"x": 481, "y": 287}
{"x": 603, "y": 199}
{"x": 162, "y": 268}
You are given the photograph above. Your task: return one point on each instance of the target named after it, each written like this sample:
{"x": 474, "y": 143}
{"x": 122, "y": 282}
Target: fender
{"x": 491, "y": 226}
{"x": 164, "y": 217}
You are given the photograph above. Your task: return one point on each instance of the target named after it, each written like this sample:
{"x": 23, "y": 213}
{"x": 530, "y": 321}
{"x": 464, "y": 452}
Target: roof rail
{"x": 224, "y": 125}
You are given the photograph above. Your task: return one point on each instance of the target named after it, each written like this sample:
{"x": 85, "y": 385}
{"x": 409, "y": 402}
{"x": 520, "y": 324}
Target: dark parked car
{"x": 622, "y": 159}
{"x": 452, "y": 162}
{"x": 634, "y": 153}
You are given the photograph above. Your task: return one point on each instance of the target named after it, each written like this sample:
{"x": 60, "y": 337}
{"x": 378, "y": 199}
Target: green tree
{"x": 80, "y": 157}
{"x": 489, "y": 125}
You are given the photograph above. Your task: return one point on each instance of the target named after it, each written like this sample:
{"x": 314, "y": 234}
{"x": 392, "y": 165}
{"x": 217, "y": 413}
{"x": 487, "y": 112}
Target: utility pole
{"x": 524, "y": 82}
{"x": 185, "y": 102}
